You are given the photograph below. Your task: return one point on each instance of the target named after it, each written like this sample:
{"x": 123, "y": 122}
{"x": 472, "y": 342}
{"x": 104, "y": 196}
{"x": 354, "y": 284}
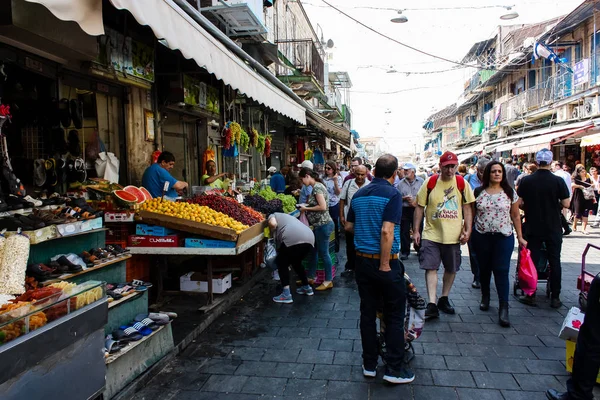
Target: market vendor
{"x": 157, "y": 174}
{"x": 211, "y": 178}
{"x": 277, "y": 182}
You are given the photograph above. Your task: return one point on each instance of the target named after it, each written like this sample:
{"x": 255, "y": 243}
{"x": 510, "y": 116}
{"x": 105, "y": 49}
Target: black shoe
{"x": 555, "y": 303}
{"x": 404, "y": 257}
{"x": 444, "y": 305}
{"x": 568, "y": 231}
{"x": 485, "y": 303}
{"x": 527, "y": 300}
{"x": 476, "y": 284}
{"x": 404, "y": 375}
{"x": 552, "y": 394}
{"x": 503, "y": 314}
{"x": 432, "y": 311}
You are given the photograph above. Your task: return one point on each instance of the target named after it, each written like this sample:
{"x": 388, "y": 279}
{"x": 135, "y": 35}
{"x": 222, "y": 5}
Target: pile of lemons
{"x": 193, "y": 212}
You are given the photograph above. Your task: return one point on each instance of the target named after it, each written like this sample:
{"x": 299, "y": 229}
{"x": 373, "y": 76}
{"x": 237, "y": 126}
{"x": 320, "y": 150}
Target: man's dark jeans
{"x": 473, "y": 259}
{"x": 350, "y": 252}
{"x": 405, "y": 225}
{"x": 372, "y": 286}
{"x": 586, "y": 363}
{"x": 553, "y": 242}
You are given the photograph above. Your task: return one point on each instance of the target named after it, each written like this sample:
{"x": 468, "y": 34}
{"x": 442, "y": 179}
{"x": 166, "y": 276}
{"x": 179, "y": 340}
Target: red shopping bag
{"x": 528, "y": 275}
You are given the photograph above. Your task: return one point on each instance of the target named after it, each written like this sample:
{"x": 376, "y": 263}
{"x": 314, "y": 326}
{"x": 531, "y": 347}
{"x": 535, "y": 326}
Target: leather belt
{"x": 375, "y": 256}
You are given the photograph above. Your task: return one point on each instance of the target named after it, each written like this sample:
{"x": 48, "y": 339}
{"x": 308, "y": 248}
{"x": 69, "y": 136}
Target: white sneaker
{"x": 369, "y": 373}
{"x": 35, "y": 202}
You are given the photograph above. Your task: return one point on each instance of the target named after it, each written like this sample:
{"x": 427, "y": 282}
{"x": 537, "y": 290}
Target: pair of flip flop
{"x": 112, "y": 346}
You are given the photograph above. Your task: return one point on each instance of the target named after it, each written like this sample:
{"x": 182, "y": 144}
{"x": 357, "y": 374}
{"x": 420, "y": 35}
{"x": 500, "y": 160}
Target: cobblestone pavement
{"x": 311, "y": 349}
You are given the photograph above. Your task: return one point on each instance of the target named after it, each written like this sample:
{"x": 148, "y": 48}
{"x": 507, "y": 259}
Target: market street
{"x": 312, "y": 348}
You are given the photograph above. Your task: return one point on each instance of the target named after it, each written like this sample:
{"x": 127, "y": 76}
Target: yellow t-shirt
{"x": 443, "y": 213}
{"x": 217, "y": 183}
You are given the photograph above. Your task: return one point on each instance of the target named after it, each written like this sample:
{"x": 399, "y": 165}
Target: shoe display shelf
{"x": 124, "y": 366}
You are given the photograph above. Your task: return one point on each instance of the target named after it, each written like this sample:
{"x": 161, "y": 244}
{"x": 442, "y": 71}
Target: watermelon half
{"x": 124, "y": 198}
{"x": 139, "y": 195}
{"x": 146, "y": 193}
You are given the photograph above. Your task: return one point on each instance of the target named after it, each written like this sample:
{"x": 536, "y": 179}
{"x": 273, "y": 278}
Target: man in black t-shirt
{"x": 543, "y": 197}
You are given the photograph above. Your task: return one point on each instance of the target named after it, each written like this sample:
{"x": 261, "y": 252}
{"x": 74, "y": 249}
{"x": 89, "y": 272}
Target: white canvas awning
{"x": 86, "y": 13}
{"x": 591, "y": 140}
{"x": 180, "y": 32}
{"x": 538, "y": 143}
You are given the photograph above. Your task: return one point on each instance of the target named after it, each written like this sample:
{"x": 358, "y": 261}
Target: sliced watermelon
{"x": 146, "y": 193}
{"x": 139, "y": 195}
{"x": 124, "y": 198}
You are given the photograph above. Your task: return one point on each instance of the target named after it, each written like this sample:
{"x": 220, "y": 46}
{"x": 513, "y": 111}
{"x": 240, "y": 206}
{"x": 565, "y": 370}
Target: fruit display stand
{"x": 124, "y": 366}
{"x": 249, "y": 239}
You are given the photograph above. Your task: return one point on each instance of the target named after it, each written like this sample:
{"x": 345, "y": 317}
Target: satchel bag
{"x": 588, "y": 193}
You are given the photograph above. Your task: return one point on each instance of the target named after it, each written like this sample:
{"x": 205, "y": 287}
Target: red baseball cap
{"x": 448, "y": 158}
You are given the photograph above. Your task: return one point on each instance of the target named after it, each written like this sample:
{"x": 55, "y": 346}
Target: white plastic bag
{"x": 270, "y": 254}
{"x": 107, "y": 167}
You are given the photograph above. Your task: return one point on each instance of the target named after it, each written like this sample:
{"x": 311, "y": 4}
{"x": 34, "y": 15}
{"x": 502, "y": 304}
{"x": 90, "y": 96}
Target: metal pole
{"x": 594, "y": 48}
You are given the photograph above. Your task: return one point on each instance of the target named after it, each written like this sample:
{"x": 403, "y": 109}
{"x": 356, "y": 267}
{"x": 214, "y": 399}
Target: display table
{"x": 209, "y": 253}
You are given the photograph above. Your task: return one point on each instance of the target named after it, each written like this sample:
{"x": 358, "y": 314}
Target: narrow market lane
{"x": 311, "y": 348}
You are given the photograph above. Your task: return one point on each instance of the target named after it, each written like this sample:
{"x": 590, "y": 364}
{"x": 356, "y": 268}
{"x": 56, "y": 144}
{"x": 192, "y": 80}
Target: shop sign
{"x": 33, "y": 64}
{"x": 327, "y": 143}
{"x": 581, "y": 72}
{"x": 127, "y": 55}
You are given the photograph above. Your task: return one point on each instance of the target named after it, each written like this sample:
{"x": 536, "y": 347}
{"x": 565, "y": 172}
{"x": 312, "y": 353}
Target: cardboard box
{"x": 153, "y": 230}
{"x": 570, "y": 350}
{"x": 153, "y": 241}
{"x": 570, "y": 326}
{"x": 208, "y": 243}
{"x": 118, "y": 216}
{"x": 91, "y": 224}
{"x": 196, "y": 282}
{"x": 39, "y": 235}
{"x": 69, "y": 229}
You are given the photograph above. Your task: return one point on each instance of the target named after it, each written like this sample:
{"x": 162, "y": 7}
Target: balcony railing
{"x": 334, "y": 98}
{"x": 304, "y": 56}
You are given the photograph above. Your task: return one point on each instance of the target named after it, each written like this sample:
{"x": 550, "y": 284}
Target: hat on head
{"x": 306, "y": 164}
{"x": 448, "y": 158}
{"x": 409, "y": 165}
{"x": 272, "y": 169}
{"x": 543, "y": 156}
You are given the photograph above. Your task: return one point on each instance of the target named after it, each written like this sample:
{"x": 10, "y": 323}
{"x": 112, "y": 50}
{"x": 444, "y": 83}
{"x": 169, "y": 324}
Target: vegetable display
{"x": 288, "y": 201}
{"x": 268, "y": 140}
{"x": 260, "y": 147}
{"x": 260, "y": 204}
{"x": 244, "y": 140}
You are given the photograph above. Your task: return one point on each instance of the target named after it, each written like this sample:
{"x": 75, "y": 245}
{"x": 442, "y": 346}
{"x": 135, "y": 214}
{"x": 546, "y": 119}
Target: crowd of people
{"x": 386, "y": 210}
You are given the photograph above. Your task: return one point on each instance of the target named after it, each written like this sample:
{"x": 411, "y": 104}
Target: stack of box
{"x": 569, "y": 332}
{"x": 320, "y": 277}
{"x": 153, "y": 236}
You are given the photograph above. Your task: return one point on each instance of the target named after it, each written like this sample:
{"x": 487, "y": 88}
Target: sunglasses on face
{"x": 327, "y": 167}
{"x": 449, "y": 166}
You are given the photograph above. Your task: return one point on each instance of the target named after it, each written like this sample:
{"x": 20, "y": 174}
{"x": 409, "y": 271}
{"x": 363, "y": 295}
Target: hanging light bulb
{"x": 400, "y": 19}
{"x": 510, "y": 14}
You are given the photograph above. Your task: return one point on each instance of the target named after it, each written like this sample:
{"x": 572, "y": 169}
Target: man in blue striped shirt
{"x": 374, "y": 218}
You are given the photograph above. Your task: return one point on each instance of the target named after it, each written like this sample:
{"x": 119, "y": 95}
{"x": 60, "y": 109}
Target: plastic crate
{"x": 118, "y": 233}
{"x": 138, "y": 267}
{"x": 332, "y": 255}
{"x": 153, "y": 230}
{"x": 321, "y": 275}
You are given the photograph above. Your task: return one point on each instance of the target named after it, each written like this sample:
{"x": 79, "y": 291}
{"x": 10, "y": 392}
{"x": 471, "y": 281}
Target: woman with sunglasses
{"x": 581, "y": 205}
{"x": 333, "y": 183}
{"x": 496, "y": 213}
{"x": 318, "y": 216}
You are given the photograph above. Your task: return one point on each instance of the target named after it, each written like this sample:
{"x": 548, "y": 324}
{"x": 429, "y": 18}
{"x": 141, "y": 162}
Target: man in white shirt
{"x": 557, "y": 169}
{"x": 349, "y": 189}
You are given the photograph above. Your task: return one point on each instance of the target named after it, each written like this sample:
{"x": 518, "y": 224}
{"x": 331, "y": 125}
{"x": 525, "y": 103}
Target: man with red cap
{"x": 446, "y": 202}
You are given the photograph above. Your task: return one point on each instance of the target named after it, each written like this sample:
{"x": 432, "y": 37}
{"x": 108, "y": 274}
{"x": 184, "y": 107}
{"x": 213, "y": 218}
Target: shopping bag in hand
{"x": 303, "y": 219}
{"x": 528, "y": 275}
{"x": 270, "y": 254}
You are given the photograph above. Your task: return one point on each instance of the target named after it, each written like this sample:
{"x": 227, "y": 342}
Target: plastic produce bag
{"x": 107, "y": 167}
{"x": 528, "y": 275}
{"x": 303, "y": 219}
{"x": 270, "y": 254}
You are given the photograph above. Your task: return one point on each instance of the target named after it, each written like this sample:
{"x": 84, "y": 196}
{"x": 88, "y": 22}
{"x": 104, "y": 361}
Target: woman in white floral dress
{"x": 496, "y": 213}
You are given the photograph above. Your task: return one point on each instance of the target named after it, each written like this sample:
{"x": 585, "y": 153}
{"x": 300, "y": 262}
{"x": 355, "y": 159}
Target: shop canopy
{"x": 336, "y": 132}
{"x": 538, "y": 143}
{"x": 178, "y": 31}
{"x": 591, "y": 140}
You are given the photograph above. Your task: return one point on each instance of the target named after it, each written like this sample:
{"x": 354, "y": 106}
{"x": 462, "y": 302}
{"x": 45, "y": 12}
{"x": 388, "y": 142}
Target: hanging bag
{"x": 270, "y": 254}
{"x": 528, "y": 274}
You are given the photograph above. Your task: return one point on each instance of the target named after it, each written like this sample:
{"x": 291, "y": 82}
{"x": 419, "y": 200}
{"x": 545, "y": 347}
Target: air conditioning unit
{"x": 563, "y": 113}
{"x": 590, "y": 107}
{"x": 577, "y": 112}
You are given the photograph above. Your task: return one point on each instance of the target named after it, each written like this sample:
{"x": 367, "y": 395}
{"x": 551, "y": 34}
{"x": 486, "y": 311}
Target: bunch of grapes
{"x": 236, "y": 132}
{"x": 227, "y": 207}
{"x": 255, "y": 135}
{"x": 252, "y": 212}
{"x": 262, "y": 205}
